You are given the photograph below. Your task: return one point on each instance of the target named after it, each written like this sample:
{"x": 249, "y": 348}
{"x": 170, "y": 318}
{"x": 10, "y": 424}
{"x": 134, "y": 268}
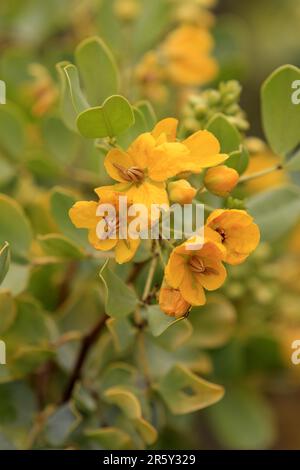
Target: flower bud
{"x": 172, "y": 303}
{"x": 221, "y": 180}
{"x": 181, "y": 191}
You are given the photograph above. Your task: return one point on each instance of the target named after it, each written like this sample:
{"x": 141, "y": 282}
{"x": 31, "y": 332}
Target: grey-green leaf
{"x": 98, "y": 70}
{"x": 281, "y": 117}
{"x": 108, "y": 120}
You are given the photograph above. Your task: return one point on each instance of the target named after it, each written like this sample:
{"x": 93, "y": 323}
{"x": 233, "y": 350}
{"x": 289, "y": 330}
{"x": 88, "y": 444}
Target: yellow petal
{"x": 147, "y": 193}
{"x": 83, "y": 214}
{"x": 191, "y": 289}
{"x": 117, "y": 157}
{"x": 102, "y": 245}
{"x": 212, "y": 281}
{"x": 141, "y": 149}
{"x": 126, "y": 249}
{"x": 168, "y": 127}
{"x": 167, "y": 160}
{"x": 204, "y": 151}
{"x": 175, "y": 270}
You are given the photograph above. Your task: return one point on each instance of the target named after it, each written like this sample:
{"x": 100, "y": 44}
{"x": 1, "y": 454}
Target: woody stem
{"x": 261, "y": 173}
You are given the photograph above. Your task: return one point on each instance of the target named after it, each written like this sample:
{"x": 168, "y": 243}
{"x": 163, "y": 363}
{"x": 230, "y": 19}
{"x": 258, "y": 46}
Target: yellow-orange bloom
{"x": 221, "y": 180}
{"x": 237, "y": 231}
{"x": 181, "y": 191}
{"x": 155, "y": 157}
{"x": 191, "y": 271}
{"x": 172, "y": 303}
{"x": 83, "y": 215}
{"x": 186, "y": 52}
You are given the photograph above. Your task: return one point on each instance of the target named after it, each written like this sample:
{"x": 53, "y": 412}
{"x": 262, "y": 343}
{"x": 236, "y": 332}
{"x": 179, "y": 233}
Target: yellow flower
{"x": 238, "y": 234}
{"x": 171, "y": 302}
{"x": 221, "y": 180}
{"x": 203, "y": 147}
{"x": 155, "y": 157}
{"x": 83, "y": 215}
{"x": 191, "y": 271}
{"x": 186, "y": 52}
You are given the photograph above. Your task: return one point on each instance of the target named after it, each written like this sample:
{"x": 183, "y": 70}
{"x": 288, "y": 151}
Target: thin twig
{"x": 261, "y": 173}
{"x": 150, "y": 277}
{"x": 87, "y": 342}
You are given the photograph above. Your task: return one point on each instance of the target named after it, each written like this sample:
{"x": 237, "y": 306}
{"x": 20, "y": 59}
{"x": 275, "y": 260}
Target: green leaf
{"x": 213, "y": 323}
{"x": 120, "y": 300}
{"x": 243, "y": 420}
{"x": 68, "y": 112}
{"x": 16, "y": 279}
{"x": 184, "y": 392}
{"x": 31, "y": 326}
{"x": 110, "y": 438}
{"x": 145, "y": 36}
{"x": 173, "y": 338}
{"x": 276, "y": 211}
{"x": 12, "y": 135}
{"x": 281, "y": 118}
{"x": 14, "y": 227}
{"x": 125, "y": 400}
{"x": 226, "y": 133}
{"x": 61, "y": 202}
{"x": 122, "y": 331}
{"x": 116, "y": 374}
{"x": 294, "y": 163}
{"x": 59, "y": 246}
{"x": 61, "y": 424}
{"x": 4, "y": 261}
{"x": 8, "y": 311}
{"x": 98, "y": 70}
{"x": 238, "y": 160}
{"x": 59, "y": 140}
{"x": 78, "y": 100}
{"x": 159, "y": 321}
{"x": 146, "y": 430}
{"x": 108, "y": 120}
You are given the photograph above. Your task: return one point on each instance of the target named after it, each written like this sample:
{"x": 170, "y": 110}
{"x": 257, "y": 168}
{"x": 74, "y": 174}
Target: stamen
{"x": 197, "y": 266}
{"x": 133, "y": 174}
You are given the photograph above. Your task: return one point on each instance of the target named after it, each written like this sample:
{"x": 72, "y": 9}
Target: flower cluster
{"x": 184, "y": 58}
{"x": 202, "y": 107}
{"x": 230, "y": 236}
{"x": 142, "y": 174}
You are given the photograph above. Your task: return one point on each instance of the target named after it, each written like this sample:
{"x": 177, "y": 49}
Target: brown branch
{"x": 87, "y": 342}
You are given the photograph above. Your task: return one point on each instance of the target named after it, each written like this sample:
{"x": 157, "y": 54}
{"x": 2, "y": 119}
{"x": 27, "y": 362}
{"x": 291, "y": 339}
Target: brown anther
{"x": 222, "y": 232}
{"x": 133, "y": 174}
{"x": 196, "y": 265}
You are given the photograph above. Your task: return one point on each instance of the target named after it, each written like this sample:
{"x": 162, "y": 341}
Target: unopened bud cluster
{"x": 202, "y": 107}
